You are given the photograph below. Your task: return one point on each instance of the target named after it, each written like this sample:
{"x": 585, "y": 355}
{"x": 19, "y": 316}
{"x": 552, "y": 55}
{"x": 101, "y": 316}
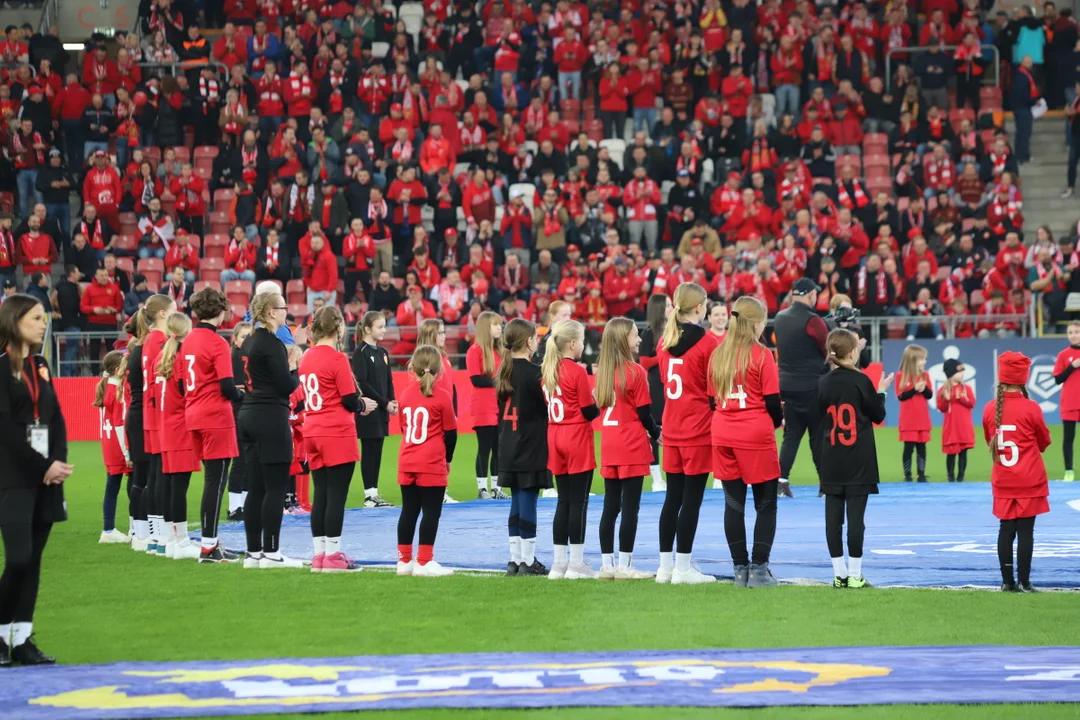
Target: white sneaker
{"x": 447, "y": 500}
{"x": 252, "y": 560}
{"x": 663, "y": 577}
{"x": 659, "y": 485}
{"x": 717, "y": 484}
{"x": 557, "y": 572}
{"x": 632, "y": 573}
{"x": 580, "y": 572}
{"x": 139, "y": 545}
{"x": 549, "y": 493}
{"x": 185, "y": 551}
{"x": 170, "y": 550}
{"x": 431, "y": 569}
{"x": 693, "y": 576}
{"x": 607, "y": 572}
{"x": 281, "y": 561}
{"x": 113, "y": 537}
{"x": 405, "y": 568}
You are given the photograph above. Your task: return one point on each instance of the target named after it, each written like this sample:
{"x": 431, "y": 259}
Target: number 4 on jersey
{"x": 510, "y": 417}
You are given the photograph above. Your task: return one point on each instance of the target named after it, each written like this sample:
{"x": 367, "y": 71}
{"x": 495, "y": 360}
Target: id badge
{"x": 38, "y": 435}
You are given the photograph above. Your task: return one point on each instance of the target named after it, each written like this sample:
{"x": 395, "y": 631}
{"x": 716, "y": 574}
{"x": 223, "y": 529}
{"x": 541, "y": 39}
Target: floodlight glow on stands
{"x": 77, "y": 46}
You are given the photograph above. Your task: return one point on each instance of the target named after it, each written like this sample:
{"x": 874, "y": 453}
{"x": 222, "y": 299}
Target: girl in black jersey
{"x": 137, "y": 328}
{"x": 371, "y": 368}
{"x": 656, "y": 315}
{"x": 265, "y": 433}
{"x": 237, "y": 472}
{"x": 523, "y": 448}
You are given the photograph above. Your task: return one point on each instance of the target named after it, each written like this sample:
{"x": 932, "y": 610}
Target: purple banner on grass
{"x": 695, "y": 678}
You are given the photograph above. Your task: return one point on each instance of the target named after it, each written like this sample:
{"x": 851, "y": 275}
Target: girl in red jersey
{"x": 331, "y": 398}
{"x": 955, "y": 400}
{"x": 627, "y": 432}
{"x": 571, "y": 445}
{"x": 482, "y": 361}
{"x": 718, "y": 320}
{"x": 744, "y": 387}
{"x": 683, "y": 357}
{"x": 433, "y": 332}
{"x": 656, "y": 315}
{"x": 1016, "y": 432}
{"x": 1065, "y": 375}
{"x": 429, "y": 434}
{"x": 913, "y": 390}
{"x": 114, "y": 451}
{"x": 178, "y": 457}
{"x": 158, "y": 308}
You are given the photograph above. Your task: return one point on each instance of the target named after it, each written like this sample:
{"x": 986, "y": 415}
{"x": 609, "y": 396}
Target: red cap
{"x": 35, "y": 88}
{"x": 1013, "y": 368}
{"x": 414, "y": 289}
{"x": 249, "y": 175}
{"x": 753, "y": 236}
{"x": 592, "y": 286}
{"x": 914, "y": 233}
{"x": 572, "y": 248}
{"x": 451, "y": 232}
{"x": 480, "y": 285}
{"x": 697, "y": 241}
{"x": 99, "y": 153}
{"x": 733, "y": 174}
{"x": 396, "y": 107}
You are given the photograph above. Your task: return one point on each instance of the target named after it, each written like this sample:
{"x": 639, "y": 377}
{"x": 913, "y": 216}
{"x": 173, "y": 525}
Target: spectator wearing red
{"x": 614, "y": 101}
{"x": 36, "y": 250}
{"x": 646, "y": 83}
{"x": 850, "y": 191}
{"x": 229, "y": 49}
{"x": 320, "y": 273}
{"x": 299, "y": 94}
{"x": 593, "y": 308}
{"x": 847, "y": 229}
{"x": 737, "y": 89}
{"x": 570, "y": 58}
{"x": 190, "y": 206}
{"x": 102, "y": 301}
{"x": 270, "y": 106}
{"x": 845, "y": 131}
{"x": 763, "y": 283}
{"x": 512, "y": 279}
{"x": 620, "y": 290}
{"x": 102, "y": 189}
{"x": 240, "y": 260}
{"x": 749, "y": 217}
{"x": 99, "y": 75}
{"x": 358, "y": 249}
{"x": 641, "y": 196}
{"x": 517, "y": 222}
{"x": 990, "y": 323}
{"x": 916, "y": 251}
{"x": 787, "y": 71}
{"x": 396, "y": 119}
{"x": 408, "y": 196}
{"x": 67, "y": 107}
{"x": 477, "y": 200}
{"x": 1003, "y": 215}
{"x": 436, "y": 152}
{"x": 410, "y": 313}
{"x": 789, "y": 261}
{"x": 896, "y": 35}
{"x": 428, "y": 275}
{"x": 182, "y": 254}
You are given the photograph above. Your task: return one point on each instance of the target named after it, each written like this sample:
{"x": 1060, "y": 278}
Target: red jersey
{"x": 1069, "y": 401}
{"x": 684, "y": 370}
{"x": 112, "y": 418}
{"x": 957, "y": 432}
{"x": 173, "y": 411}
{"x": 424, "y": 420}
{"x": 623, "y": 440}
{"x": 205, "y": 361}
{"x": 151, "y": 414}
{"x": 571, "y": 394}
{"x": 1023, "y": 437}
{"x": 915, "y": 411}
{"x": 446, "y": 377}
{"x": 741, "y": 419}
{"x": 326, "y": 377}
{"x": 484, "y": 408}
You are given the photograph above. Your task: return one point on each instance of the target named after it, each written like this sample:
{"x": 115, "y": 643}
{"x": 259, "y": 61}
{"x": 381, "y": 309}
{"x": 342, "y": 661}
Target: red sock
{"x": 404, "y": 553}
{"x": 426, "y": 553}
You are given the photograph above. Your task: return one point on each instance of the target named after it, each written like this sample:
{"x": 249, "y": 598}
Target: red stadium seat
{"x": 223, "y": 198}
{"x": 183, "y": 155}
{"x": 124, "y": 244}
{"x": 220, "y": 223}
{"x": 210, "y": 269}
{"x": 206, "y": 151}
{"x": 298, "y": 310}
{"x": 989, "y": 99}
{"x": 295, "y": 292}
{"x": 152, "y": 268}
{"x": 153, "y": 154}
{"x": 238, "y": 290}
{"x": 570, "y": 109}
{"x": 876, "y": 161}
{"x": 571, "y": 127}
{"x": 202, "y": 284}
{"x": 204, "y": 172}
{"x": 595, "y": 130}
{"x": 126, "y": 264}
{"x": 216, "y": 245}
{"x": 239, "y": 310}
{"x": 853, "y": 160}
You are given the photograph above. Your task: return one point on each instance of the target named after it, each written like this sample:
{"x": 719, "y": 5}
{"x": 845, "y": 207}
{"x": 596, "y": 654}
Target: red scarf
{"x": 824, "y": 61}
{"x": 208, "y": 89}
{"x": 551, "y": 220}
{"x": 760, "y": 155}
{"x": 177, "y": 294}
{"x": 377, "y": 211}
{"x": 882, "y": 290}
{"x": 328, "y": 202}
{"x": 258, "y": 48}
{"x": 7, "y": 248}
{"x": 94, "y": 236}
{"x": 998, "y": 163}
{"x": 272, "y": 257}
{"x": 726, "y": 285}
{"x": 1031, "y": 83}
{"x": 860, "y": 201}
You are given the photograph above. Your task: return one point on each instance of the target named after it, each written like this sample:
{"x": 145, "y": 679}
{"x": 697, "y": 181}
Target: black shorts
{"x": 847, "y": 491}
{"x": 133, "y": 432}
{"x": 533, "y": 480}
{"x": 265, "y": 436}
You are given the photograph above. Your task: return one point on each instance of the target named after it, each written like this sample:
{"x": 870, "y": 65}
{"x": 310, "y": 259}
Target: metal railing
{"x": 155, "y": 69}
{"x": 944, "y": 48}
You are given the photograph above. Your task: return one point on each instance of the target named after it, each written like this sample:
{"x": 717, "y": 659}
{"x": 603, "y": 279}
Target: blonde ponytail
{"x": 177, "y": 326}
{"x": 731, "y": 357}
{"x": 562, "y": 334}
{"x": 688, "y": 296}
{"x": 425, "y": 365}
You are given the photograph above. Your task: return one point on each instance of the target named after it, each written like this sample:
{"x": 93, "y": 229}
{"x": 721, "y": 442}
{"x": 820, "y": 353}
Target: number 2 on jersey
{"x": 843, "y": 419}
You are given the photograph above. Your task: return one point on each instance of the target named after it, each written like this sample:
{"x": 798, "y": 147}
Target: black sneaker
{"x": 923, "y": 478}
{"x": 5, "y": 653}
{"x": 29, "y": 654}
{"x": 1025, "y": 587}
{"x": 218, "y": 555}
{"x": 839, "y": 582}
{"x": 376, "y": 502}
{"x": 236, "y": 515}
{"x": 1009, "y": 587}
{"x": 513, "y": 569}
{"x": 783, "y": 489}
{"x": 537, "y": 568}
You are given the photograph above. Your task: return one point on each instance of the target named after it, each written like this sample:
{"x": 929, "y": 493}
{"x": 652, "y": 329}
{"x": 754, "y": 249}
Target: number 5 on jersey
{"x": 1008, "y": 446}
{"x": 674, "y": 380}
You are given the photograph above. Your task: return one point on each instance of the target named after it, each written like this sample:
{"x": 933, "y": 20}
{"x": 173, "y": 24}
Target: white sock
{"x": 608, "y": 560}
{"x": 528, "y": 551}
{"x": 142, "y": 529}
{"x": 481, "y": 483}
{"x": 5, "y": 633}
{"x": 654, "y": 470}
{"x": 855, "y": 567}
{"x": 371, "y": 492}
{"x": 333, "y": 545}
{"x": 209, "y": 543}
{"x": 159, "y": 533}
{"x": 560, "y": 554}
{"x": 839, "y": 567}
{"x": 667, "y": 562}
{"x": 20, "y": 633}
{"x": 783, "y": 480}
{"x": 682, "y": 561}
{"x": 577, "y": 554}
{"x": 625, "y": 559}
{"x": 494, "y": 483}
{"x": 151, "y": 527}
{"x": 181, "y": 530}
{"x": 234, "y": 502}
{"x": 320, "y": 545}
{"x": 515, "y": 549}
{"x": 131, "y": 526}
{"x": 243, "y": 498}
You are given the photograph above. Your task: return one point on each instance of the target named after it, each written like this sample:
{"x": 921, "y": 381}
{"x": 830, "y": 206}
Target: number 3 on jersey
{"x": 674, "y": 383}
{"x": 312, "y": 398}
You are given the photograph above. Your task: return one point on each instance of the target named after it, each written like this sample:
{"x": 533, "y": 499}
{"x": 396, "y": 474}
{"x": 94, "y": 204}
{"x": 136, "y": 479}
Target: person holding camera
{"x": 845, "y": 316}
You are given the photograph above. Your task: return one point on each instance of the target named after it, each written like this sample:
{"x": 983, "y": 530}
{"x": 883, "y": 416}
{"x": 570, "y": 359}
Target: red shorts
{"x": 330, "y": 451}
{"x": 1014, "y": 508}
{"x": 219, "y": 444}
{"x": 180, "y": 461}
{"x": 1069, "y": 415}
{"x": 571, "y": 449}
{"x": 915, "y": 436}
{"x": 623, "y": 472}
{"x": 690, "y": 460}
{"x": 421, "y": 479}
{"x": 750, "y": 466}
{"x": 117, "y": 468}
{"x": 153, "y": 441}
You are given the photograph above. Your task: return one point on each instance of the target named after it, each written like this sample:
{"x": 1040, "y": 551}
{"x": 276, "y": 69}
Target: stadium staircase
{"x": 1044, "y": 178}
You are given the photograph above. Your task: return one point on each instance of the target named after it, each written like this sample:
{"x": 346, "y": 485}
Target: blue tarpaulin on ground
{"x": 697, "y": 678}
{"x": 926, "y": 535}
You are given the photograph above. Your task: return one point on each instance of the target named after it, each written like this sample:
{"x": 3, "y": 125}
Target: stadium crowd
{"x": 435, "y": 160}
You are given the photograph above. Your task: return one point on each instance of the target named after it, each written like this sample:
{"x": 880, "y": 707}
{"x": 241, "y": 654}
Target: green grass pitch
{"x": 105, "y": 604}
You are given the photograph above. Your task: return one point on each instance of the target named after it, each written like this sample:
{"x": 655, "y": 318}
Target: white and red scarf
{"x": 881, "y": 291}
{"x": 844, "y": 197}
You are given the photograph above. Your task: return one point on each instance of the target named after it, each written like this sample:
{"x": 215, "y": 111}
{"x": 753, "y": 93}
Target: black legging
{"x": 178, "y": 490}
{"x": 237, "y": 470}
{"x": 625, "y": 496}
{"x": 140, "y": 476}
{"x": 679, "y": 516}
{"x": 950, "y": 465}
{"x": 1067, "y": 444}
{"x": 1023, "y": 531}
{"x": 214, "y": 472}
{"x": 24, "y": 544}
{"x": 371, "y": 461}
{"x": 572, "y": 508}
{"x": 331, "y": 493}
{"x": 414, "y": 500}
{"x": 108, "y": 504}
{"x": 920, "y": 456}
{"x": 160, "y": 487}
{"x": 267, "y": 483}
{"x": 150, "y": 493}
{"x": 487, "y": 451}
{"x": 834, "y": 524}
{"x": 735, "y": 520}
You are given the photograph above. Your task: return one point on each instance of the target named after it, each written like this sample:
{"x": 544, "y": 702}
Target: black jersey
{"x": 135, "y": 378}
{"x": 850, "y": 405}
{"x": 268, "y": 378}
{"x": 238, "y": 371}
{"x": 523, "y": 418}
{"x": 371, "y": 368}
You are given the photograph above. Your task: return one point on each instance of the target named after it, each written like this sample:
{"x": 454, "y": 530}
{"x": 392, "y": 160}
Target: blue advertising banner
{"x": 980, "y": 358}
{"x": 692, "y": 678}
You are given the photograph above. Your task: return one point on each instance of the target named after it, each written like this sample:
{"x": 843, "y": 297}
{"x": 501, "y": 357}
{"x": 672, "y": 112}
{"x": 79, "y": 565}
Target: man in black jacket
{"x": 54, "y": 184}
{"x": 68, "y": 318}
{"x": 800, "y": 345}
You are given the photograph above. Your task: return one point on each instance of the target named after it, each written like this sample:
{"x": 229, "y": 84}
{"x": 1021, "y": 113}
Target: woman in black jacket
{"x": 656, "y": 315}
{"x": 33, "y": 453}
{"x": 371, "y": 368}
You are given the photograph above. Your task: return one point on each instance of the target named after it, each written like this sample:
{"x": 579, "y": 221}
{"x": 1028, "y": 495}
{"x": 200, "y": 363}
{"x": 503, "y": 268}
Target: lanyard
{"x": 34, "y": 390}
